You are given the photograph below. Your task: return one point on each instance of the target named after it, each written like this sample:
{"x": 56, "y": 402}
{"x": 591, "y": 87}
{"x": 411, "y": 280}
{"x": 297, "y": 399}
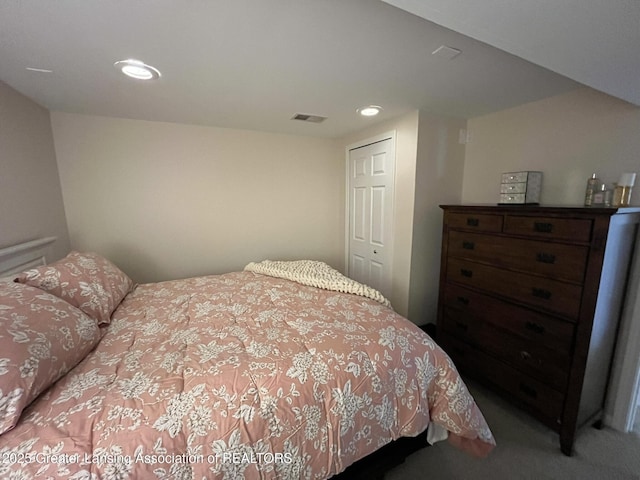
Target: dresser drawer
{"x": 513, "y": 188}
{"x": 551, "y": 295}
{"x": 466, "y": 307}
{"x": 555, "y": 260}
{"x": 533, "y": 356}
{"x": 514, "y": 177}
{"x": 574, "y": 229}
{"x": 514, "y": 198}
{"x": 480, "y": 222}
{"x": 537, "y": 360}
{"x": 544, "y": 364}
{"x": 541, "y": 399}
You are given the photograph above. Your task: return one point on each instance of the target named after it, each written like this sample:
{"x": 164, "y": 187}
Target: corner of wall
{"x": 439, "y": 174}
{"x": 29, "y": 165}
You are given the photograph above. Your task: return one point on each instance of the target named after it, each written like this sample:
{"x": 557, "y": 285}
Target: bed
{"x": 283, "y": 370}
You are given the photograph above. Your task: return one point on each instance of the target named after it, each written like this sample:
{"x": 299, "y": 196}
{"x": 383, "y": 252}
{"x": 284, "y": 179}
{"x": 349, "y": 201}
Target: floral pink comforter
{"x": 241, "y": 376}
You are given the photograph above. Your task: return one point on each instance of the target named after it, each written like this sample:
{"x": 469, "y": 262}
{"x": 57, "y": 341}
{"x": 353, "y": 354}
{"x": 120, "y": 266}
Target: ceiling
{"x": 253, "y": 64}
{"x": 596, "y": 42}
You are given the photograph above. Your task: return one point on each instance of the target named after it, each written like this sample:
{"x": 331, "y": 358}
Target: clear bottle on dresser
{"x": 600, "y": 197}
{"x": 592, "y": 185}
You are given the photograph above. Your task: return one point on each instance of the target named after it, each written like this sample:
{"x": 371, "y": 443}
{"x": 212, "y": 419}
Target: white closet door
{"x": 371, "y": 181}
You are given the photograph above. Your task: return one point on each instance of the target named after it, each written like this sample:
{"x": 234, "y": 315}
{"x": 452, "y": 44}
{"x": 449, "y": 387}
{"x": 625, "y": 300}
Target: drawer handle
{"x": 543, "y": 227}
{"x": 463, "y": 300}
{"x": 545, "y": 258}
{"x": 466, "y": 273}
{"x": 534, "y": 327}
{"x": 526, "y": 356}
{"x": 468, "y": 245}
{"x": 541, "y": 293}
{"x": 462, "y": 326}
{"x": 527, "y": 390}
{"x": 473, "y": 222}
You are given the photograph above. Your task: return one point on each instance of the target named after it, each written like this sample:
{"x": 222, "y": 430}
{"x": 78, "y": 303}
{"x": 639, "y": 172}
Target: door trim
{"x": 390, "y": 135}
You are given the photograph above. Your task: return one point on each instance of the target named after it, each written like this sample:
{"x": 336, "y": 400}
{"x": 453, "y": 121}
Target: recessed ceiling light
{"x": 369, "y": 110}
{"x": 137, "y": 69}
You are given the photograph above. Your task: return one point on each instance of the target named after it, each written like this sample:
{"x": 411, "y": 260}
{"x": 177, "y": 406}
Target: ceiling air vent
{"x": 445, "y": 52}
{"x": 303, "y": 117}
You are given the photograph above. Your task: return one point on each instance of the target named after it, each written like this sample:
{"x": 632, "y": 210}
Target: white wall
{"x": 439, "y": 174}
{"x": 567, "y": 137}
{"x": 30, "y": 196}
{"x": 168, "y": 201}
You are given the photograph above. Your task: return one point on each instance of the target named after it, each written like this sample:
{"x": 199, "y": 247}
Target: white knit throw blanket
{"x": 315, "y": 274}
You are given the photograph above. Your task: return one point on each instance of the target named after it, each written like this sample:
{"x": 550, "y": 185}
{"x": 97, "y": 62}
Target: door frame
{"x": 390, "y": 135}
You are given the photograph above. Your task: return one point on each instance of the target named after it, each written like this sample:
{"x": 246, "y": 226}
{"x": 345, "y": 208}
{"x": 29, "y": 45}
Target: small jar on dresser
{"x": 529, "y": 303}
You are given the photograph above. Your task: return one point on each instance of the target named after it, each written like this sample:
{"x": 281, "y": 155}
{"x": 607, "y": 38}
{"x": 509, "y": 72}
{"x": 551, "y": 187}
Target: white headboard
{"x": 23, "y": 256}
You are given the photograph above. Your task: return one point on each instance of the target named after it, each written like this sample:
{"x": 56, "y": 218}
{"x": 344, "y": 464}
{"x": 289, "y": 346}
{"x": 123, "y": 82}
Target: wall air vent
{"x": 303, "y": 117}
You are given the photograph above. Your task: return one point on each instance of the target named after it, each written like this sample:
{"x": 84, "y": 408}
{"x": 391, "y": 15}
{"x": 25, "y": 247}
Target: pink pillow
{"x": 85, "y": 280}
{"x": 41, "y": 338}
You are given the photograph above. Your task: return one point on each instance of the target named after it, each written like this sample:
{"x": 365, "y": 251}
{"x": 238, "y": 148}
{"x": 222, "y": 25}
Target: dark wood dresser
{"x": 530, "y": 300}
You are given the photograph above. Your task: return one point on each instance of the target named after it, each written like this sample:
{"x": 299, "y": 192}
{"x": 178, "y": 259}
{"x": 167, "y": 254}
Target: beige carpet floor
{"x": 527, "y": 450}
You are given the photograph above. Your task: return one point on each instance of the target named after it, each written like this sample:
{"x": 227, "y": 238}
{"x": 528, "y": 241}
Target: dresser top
{"x": 532, "y": 209}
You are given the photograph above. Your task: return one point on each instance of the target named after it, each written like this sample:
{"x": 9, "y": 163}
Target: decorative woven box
{"x": 520, "y": 188}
